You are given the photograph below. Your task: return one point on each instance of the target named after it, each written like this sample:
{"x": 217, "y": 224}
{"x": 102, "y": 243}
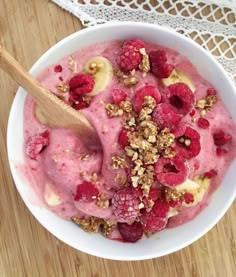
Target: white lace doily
{"x": 210, "y": 23}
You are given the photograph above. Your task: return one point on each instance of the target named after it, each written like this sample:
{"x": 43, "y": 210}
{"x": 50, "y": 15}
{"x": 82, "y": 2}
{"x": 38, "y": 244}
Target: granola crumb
{"x": 102, "y": 200}
{"x": 206, "y": 103}
{"x": 90, "y": 224}
{"x": 113, "y": 110}
{"x": 121, "y": 180}
{"x": 118, "y": 162}
{"x": 62, "y": 87}
{"x": 106, "y": 227}
{"x": 130, "y": 81}
{"x": 145, "y": 63}
{"x": 84, "y": 157}
{"x": 94, "y": 177}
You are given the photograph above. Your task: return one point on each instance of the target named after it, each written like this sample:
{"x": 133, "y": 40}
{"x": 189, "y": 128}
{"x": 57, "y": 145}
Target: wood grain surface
{"x": 27, "y": 29}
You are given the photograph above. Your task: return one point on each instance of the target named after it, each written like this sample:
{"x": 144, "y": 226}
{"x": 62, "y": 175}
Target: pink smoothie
{"x": 66, "y": 161}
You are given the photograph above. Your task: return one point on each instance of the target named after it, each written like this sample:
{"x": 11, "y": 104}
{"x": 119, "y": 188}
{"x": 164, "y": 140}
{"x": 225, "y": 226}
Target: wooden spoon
{"x": 57, "y": 112}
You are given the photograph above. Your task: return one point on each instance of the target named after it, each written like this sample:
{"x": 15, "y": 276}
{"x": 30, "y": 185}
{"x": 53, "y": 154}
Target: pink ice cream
{"x": 66, "y": 162}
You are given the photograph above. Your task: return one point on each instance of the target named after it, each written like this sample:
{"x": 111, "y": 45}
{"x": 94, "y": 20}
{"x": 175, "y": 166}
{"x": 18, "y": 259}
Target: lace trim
{"x": 210, "y": 23}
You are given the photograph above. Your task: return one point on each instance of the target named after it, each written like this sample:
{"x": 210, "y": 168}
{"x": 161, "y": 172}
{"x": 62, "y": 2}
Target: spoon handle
{"x": 57, "y": 112}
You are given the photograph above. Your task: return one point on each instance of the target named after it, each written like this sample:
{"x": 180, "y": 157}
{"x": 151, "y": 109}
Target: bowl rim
{"x": 96, "y": 252}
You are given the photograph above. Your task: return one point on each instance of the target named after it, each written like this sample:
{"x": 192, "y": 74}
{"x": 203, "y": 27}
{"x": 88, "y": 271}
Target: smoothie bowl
{"x": 163, "y": 172}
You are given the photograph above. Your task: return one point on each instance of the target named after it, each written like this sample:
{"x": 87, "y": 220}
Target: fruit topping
{"x": 153, "y": 194}
{"x": 165, "y": 116}
{"x": 188, "y": 142}
{"x": 125, "y": 205}
{"x": 210, "y": 174}
{"x": 86, "y": 191}
{"x": 211, "y": 91}
{"x": 102, "y": 71}
{"x": 152, "y": 223}
{"x": 130, "y": 57}
{"x": 221, "y": 151}
{"x": 118, "y": 95}
{"x": 203, "y": 123}
{"x": 81, "y": 83}
{"x": 51, "y": 196}
{"x": 36, "y": 144}
{"x": 221, "y": 138}
{"x": 192, "y": 113}
{"x": 123, "y": 138}
{"x": 161, "y": 208}
{"x": 180, "y": 97}
{"x": 177, "y": 76}
{"x": 147, "y": 90}
{"x": 171, "y": 172}
{"x": 78, "y": 103}
{"x": 58, "y": 68}
{"x": 130, "y": 233}
{"x": 188, "y": 193}
{"x": 159, "y": 66}
{"x": 188, "y": 197}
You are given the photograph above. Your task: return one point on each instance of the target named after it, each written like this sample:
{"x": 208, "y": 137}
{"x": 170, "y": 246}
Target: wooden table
{"x": 27, "y": 29}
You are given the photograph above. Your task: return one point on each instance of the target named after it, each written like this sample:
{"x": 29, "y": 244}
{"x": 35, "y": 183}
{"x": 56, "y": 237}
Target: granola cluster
{"x": 205, "y": 104}
{"x": 146, "y": 142}
{"x": 94, "y": 224}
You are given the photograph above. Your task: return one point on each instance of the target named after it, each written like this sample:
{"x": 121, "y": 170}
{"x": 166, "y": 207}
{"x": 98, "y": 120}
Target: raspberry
{"x": 123, "y": 138}
{"x": 180, "y": 97}
{"x": 192, "y": 113}
{"x": 171, "y": 172}
{"x": 58, "y": 68}
{"x": 130, "y": 233}
{"x": 150, "y": 198}
{"x": 210, "y": 174}
{"x": 81, "y": 83}
{"x": 137, "y": 192}
{"x": 129, "y": 56}
{"x": 118, "y": 95}
{"x": 77, "y": 101}
{"x": 153, "y": 194}
{"x": 159, "y": 66}
{"x": 211, "y": 91}
{"x": 160, "y": 208}
{"x": 175, "y": 203}
{"x": 152, "y": 223}
{"x": 86, "y": 191}
{"x": 125, "y": 205}
{"x": 36, "y": 144}
{"x": 188, "y": 142}
{"x": 221, "y": 138}
{"x": 165, "y": 116}
{"x": 221, "y": 151}
{"x": 203, "y": 123}
{"x": 78, "y": 104}
{"x": 147, "y": 90}
{"x": 188, "y": 197}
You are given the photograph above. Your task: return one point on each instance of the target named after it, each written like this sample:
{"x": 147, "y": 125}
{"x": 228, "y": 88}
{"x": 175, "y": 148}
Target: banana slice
{"x": 178, "y": 76}
{"x": 50, "y": 196}
{"x": 172, "y": 212}
{"x": 39, "y": 115}
{"x": 197, "y": 187}
{"x": 188, "y": 185}
{"x": 102, "y": 71}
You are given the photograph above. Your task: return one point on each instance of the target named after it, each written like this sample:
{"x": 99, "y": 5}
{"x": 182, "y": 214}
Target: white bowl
{"x": 169, "y": 240}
